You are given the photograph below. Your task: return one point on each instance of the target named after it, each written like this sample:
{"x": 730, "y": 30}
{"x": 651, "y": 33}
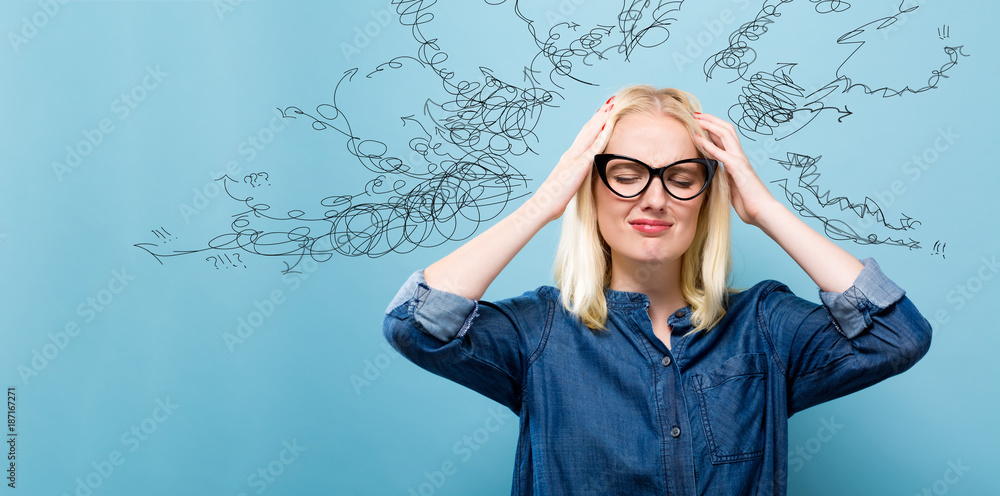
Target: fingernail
{"x": 697, "y": 113}
{"x": 609, "y": 108}
{"x": 602, "y": 127}
{"x": 609, "y": 100}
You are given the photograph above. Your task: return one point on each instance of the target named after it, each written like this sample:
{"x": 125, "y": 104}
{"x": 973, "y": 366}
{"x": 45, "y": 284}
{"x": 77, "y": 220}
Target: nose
{"x": 655, "y": 197}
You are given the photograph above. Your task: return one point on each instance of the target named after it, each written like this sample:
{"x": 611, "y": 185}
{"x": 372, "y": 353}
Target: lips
{"x": 651, "y": 226}
{"x": 650, "y": 222}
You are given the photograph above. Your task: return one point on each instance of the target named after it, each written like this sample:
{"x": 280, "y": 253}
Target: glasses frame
{"x": 601, "y": 163}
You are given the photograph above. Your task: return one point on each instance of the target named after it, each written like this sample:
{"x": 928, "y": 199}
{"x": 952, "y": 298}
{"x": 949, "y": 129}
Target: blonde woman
{"x": 642, "y": 372}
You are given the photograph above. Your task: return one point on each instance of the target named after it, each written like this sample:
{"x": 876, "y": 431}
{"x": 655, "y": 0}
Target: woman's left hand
{"x": 748, "y": 193}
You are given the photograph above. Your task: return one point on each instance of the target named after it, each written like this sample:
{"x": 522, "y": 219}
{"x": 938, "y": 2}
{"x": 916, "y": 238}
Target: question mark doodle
{"x": 255, "y": 179}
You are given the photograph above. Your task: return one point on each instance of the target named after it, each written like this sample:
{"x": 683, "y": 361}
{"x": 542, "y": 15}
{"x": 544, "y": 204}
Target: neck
{"x": 659, "y": 281}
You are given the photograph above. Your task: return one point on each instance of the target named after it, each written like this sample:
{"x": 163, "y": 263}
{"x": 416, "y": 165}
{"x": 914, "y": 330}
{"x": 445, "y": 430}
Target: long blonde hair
{"x": 583, "y": 258}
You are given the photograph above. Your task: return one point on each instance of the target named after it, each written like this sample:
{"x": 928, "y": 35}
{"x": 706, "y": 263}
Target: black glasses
{"x": 629, "y": 178}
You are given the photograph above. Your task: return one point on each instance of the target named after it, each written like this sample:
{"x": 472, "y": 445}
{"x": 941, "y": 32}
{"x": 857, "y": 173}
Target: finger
{"x": 599, "y": 142}
{"x": 713, "y": 119}
{"x": 723, "y": 130}
{"x": 716, "y": 151}
{"x": 592, "y": 128}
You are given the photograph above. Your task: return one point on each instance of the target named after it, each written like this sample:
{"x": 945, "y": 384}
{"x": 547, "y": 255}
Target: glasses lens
{"x": 685, "y": 180}
{"x": 626, "y": 177}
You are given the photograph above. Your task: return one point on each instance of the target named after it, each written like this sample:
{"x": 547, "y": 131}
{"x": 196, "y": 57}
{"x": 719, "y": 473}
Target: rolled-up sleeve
{"x": 479, "y": 344}
{"x": 871, "y": 293}
{"x": 441, "y": 314}
{"x": 855, "y": 339}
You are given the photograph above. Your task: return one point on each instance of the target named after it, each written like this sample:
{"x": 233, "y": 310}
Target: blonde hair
{"x": 583, "y": 258}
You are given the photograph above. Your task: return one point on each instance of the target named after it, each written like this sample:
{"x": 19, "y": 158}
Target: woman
{"x": 643, "y": 373}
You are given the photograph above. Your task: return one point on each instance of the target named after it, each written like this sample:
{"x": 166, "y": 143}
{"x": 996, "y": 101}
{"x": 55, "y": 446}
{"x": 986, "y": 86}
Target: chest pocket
{"x": 731, "y": 401}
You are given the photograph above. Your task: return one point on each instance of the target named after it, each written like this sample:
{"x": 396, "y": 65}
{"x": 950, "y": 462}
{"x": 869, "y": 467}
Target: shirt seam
{"x": 542, "y": 340}
{"x": 765, "y": 330}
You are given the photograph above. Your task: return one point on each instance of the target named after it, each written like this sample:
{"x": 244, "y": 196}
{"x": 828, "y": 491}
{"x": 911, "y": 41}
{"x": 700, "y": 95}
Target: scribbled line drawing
{"x": 773, "y": 104}
{"x": 806, "y": 177}
{"x": 641, "y": 24}
{"x": 427, "y": 214}
{"x": 458, "y": 173}
{"x": 769, "y": 100}
{"x": 944, "y": 32}
{"x": 828, "y": 6}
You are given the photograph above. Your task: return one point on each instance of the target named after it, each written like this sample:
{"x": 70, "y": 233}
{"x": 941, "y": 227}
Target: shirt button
{"x": 679, "y": 313}
{"x": 666, "y": 361}
{"x": 675, "y": 431}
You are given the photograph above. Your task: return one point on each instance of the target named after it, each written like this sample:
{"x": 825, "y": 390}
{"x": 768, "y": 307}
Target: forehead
{"x": 656, "y": 140}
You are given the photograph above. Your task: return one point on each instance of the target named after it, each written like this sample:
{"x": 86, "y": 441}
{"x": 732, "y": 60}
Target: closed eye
{"x": 626, "y": 179}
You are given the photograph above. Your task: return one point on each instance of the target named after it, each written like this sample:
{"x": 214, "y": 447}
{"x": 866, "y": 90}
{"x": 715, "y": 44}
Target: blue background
{"x": 315, "y": 372}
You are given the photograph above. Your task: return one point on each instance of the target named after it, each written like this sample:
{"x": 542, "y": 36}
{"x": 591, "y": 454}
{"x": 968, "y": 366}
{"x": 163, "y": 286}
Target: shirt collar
{"x": 625, "y": 299}
{"x": 680, "y": 320}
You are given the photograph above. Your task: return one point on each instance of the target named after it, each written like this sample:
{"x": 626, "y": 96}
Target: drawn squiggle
{"x": 476, "y": 187}
{"x": 837, "y": 229}
{"x": 738, "y": 56}
{"x": 770, "y": 100}
{"x": 828, "y": 6}
{"x": 458, "y": 173}
{"x": 640, "y": 24}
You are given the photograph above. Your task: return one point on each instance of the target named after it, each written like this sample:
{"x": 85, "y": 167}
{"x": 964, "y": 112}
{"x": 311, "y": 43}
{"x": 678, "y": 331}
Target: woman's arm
{"x": 471, "y": 268}
{"x": 830, "y": 267}
{"x": 436, "y": 321}
{"x": 881, "y": 333}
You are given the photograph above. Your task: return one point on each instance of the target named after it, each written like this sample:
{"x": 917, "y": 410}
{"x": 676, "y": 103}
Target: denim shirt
{"x": 617, "y": 412}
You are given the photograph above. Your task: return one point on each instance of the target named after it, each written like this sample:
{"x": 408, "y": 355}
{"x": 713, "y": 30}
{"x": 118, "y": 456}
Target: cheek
{"x": 607, "y": 207}
{"x": 691, "y": 212}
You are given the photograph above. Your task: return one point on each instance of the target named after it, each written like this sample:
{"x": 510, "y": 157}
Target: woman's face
{"x": 653, "y": 227}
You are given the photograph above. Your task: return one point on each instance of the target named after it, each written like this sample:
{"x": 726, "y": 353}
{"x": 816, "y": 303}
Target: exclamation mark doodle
{"x": 161, "y": 233}
{"x": 939, "y": 248}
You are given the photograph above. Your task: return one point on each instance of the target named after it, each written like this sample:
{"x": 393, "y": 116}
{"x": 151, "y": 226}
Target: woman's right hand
{"x": 574, "y": 165}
